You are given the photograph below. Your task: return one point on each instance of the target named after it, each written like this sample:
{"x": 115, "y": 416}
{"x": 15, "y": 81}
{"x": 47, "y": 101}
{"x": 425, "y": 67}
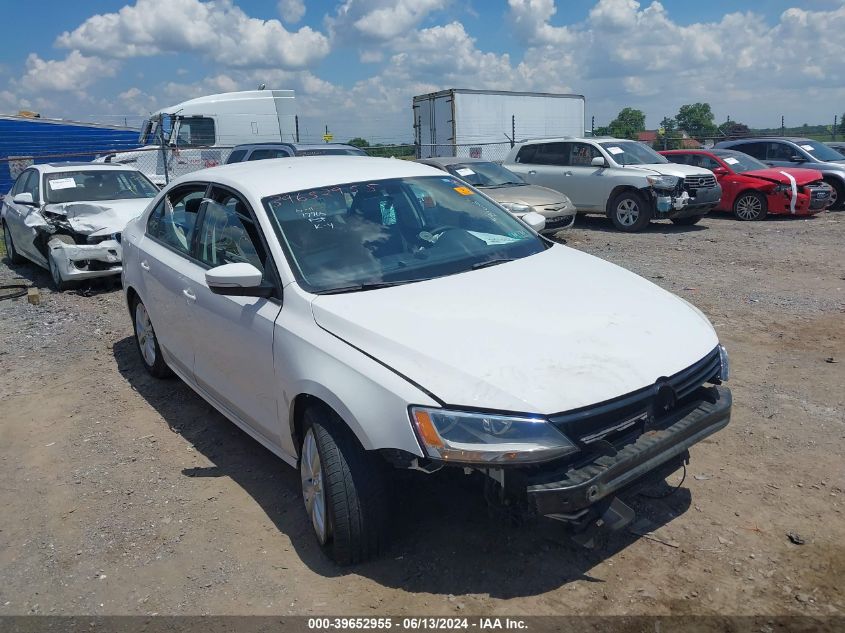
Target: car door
{"x": 543, "y": 164}
{"x": 23, "y": 223}
{"x": 584, "y": 182}
{"x": 233, "y": 336}
{"x": 16, "y": 212}
{"x": 165, "y": 259}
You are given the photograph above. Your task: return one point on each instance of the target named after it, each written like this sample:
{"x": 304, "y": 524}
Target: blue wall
{"x": 20, "y": 136}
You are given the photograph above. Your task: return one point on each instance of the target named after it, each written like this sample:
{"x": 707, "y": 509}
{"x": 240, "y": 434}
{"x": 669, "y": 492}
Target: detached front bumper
{"x": 670, "y": 205}
{"x": 87, "y": 261}
{"x": 570, "y": 491}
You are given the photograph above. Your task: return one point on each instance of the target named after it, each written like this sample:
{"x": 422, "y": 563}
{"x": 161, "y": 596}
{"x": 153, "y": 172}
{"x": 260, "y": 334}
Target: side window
{"x": 174, "y": 218}
{"x": 680, "y": 159}
{"x": 582, "y": 154}
{"x": 228, "y": 235}
{"x": 757, "y": 150}
{"x": 20, "y": 183}
{"x": 780, "y": 151}
{"x": 553, "y": 154}
{"x": 527, "y": 153}
{"x": 33, "y": 185}
{"x": 236, "y": 156}
{"x": 708, "y": 163}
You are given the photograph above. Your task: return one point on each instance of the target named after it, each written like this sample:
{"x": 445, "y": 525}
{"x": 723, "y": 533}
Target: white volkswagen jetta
{"x": 359, "y": 314}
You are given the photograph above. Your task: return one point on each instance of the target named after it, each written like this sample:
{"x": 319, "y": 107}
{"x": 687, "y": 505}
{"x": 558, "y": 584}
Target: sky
{"x": 356, "y": 64}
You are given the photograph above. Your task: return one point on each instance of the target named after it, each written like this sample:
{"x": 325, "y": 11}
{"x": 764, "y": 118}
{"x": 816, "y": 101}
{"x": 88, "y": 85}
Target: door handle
{"x": 567, "y": 173}
{"x": 145, "y": 266}
{"x": 189, "y": 294}
{"x": 531, "y": 172}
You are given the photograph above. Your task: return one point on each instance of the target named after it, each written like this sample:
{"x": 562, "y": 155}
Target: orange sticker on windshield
{"x": 464, "y": 191}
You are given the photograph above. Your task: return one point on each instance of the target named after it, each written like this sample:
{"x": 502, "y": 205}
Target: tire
{"x": 689, "y": 221}
{"x": 838, "y": 194}
{"x": 629, "y": 212}
{"x": 146, "y": 342}
{"x": 11, "y": 253}
{"x": 59, "y": 282}
{"x": 750, "y": 206}
{"x": 343, "y": 489}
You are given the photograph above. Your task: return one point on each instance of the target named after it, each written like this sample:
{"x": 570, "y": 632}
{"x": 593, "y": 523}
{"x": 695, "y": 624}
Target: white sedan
{"x": 356, "y": 315}
{"x": 68, "y": 217}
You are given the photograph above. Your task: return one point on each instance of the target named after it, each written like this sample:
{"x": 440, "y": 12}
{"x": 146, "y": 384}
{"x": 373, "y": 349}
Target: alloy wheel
{"x": 311, "y": 473}
{"x": 145, "y": 334}
{"x": 748, "y": 208}
{"x": 627, "y": 212}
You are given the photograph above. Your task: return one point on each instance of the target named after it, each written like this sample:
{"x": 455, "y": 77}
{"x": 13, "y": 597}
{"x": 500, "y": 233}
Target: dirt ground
{"x": 121, "y": 494}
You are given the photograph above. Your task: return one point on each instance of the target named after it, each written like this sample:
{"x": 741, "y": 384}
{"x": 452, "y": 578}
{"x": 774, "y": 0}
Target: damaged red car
{"x": 751, "y": 189}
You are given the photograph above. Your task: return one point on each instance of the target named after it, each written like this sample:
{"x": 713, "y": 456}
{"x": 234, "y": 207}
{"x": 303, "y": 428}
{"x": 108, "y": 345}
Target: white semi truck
{"x": 200, "y": 132}
{"x": 458, "y": 122}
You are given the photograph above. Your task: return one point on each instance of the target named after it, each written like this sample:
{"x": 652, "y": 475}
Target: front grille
{"x": 615, "y": 416}
{"x": 819, "y": 195}
{"x": 691, "y": 183}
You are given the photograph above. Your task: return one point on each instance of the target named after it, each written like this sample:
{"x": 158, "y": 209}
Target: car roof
{"x": 704, "y": 150}
{"x": 264, "y": 178}
{"x": 755, "y": 139}
{"x": 294, "y": 146}
{"x": 577, "y": 139}
{"x": 450, "y": 160}
{"x": 54, "y": 168}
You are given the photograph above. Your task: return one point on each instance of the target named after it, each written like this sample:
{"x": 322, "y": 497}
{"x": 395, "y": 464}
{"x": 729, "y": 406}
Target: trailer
{"x": 459, "y": 122}
{"x": 25, "y": 140}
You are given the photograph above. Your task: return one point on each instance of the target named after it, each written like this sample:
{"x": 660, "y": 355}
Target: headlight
{"x": 463, "y": 437}
{"x": 662, "y": 182}
{"x": 783, "y": 188}
{"x": 725, "y": 365}
{"x": 516, "y": 207}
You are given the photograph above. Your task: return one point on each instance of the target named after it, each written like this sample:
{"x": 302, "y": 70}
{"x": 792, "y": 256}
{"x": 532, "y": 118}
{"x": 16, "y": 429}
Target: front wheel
{"x": 59, "y": 281}
{"x": 837, "y": 196}
{"x": 750, "y": 206}
{"x": 688, "y": 221}
{"x": 629, "y": 212}
{"x": 343, "y": 488}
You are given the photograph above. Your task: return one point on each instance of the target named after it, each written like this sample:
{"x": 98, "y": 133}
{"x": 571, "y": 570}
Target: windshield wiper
{"x": 492, "y": 262}
{"x": 505, "y": 184}
{"x": 368, "y": 286}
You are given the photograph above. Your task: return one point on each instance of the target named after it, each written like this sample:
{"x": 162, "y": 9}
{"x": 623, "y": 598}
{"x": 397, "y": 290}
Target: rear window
{"x": 264, "y": 154}
{"x": 236, "y": 156}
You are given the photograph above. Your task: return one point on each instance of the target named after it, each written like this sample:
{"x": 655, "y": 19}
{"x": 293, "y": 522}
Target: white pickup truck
{"x": 626, "y": 180}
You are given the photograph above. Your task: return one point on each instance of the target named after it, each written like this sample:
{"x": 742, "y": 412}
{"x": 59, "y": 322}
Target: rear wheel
{"x": 750, "y": 205}
{"x": 343, "y": 488}
{"x": 147, "y": 343}
{"x": 689, "y": 221}
{"x": 11, "y": 253}
{"x": 838, "y": 194}
{"x": 629, "y": 212}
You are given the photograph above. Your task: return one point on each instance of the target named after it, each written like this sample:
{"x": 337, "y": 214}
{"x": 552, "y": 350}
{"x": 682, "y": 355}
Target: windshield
{"x": 820, "y": 151}
{"x": 632, "y": 153}
{"x": 485, "y": 174}
{"x": 344, "y": 237}
{"x": 97, "y": 185}
{"x": 740, "y": 162}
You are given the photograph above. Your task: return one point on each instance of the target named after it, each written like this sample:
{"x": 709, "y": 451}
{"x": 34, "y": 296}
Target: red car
{"x": 751, "y": 189}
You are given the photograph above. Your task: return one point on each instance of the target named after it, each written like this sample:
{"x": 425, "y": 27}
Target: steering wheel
{"x": 437, "y": 230}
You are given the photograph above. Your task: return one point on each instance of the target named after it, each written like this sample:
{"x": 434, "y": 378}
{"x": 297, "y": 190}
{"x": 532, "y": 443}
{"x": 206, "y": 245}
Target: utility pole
{"x": 782, "y": 126}
{"x": 835, "y": 119}
{"x": 296, "y": 123}
{"x": 593, "y": 126}
{"x": 513, "y": 129}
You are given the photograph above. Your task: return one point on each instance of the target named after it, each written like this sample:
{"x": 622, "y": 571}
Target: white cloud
{"x": 73, "y": 73}
{"x": 291, "y": 11}
{"x": 373, "y": 22}
{"x": 218, "y": 31}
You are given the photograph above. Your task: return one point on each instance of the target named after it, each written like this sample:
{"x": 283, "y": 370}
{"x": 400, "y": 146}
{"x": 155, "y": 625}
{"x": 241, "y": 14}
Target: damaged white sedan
{"x": 68, "y": 218}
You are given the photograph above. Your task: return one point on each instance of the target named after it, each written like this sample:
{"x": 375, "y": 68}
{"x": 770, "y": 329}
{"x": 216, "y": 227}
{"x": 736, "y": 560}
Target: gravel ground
{"x": 126, "y": 495}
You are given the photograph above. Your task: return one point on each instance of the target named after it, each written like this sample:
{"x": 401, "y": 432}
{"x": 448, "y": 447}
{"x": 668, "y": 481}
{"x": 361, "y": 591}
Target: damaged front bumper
{"x": 684, "y": 204}
{"x": 87, "y": 261}
{"x": 569, "y": 492}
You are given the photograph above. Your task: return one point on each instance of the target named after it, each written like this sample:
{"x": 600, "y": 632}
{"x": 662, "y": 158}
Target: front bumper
{"x": 87, "y": 261}
{"x": 555, "y": 223}
{"x": 572, "y": 490}
{"x": 685, "y": 204}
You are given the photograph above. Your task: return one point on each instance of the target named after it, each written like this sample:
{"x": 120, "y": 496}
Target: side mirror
{"x": 721, "y": 171}
{"x": 237, "y": 280}
{"x": 598, "y": 161}
{"x": 534, "y": 220}
{"x": 798, "y": 159}
{"x": 23, "y": 198}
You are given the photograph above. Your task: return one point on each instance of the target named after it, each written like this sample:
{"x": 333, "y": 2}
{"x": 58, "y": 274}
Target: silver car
{"x": 510, "y": 190}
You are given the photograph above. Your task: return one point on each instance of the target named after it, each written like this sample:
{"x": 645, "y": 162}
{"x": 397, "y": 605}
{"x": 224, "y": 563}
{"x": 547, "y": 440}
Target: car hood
{"x": 512, "y": 337}
{"x": 671, "y": 169}
{"x": 533, "y": 195}
{"x": 101, "y": 217}
{"x": 802, "y": 176}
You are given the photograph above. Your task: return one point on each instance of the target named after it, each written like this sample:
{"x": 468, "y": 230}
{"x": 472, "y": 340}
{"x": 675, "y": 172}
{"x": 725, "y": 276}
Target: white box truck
{"x": 200, "y": 132}
{"x": 459, "y": 122}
